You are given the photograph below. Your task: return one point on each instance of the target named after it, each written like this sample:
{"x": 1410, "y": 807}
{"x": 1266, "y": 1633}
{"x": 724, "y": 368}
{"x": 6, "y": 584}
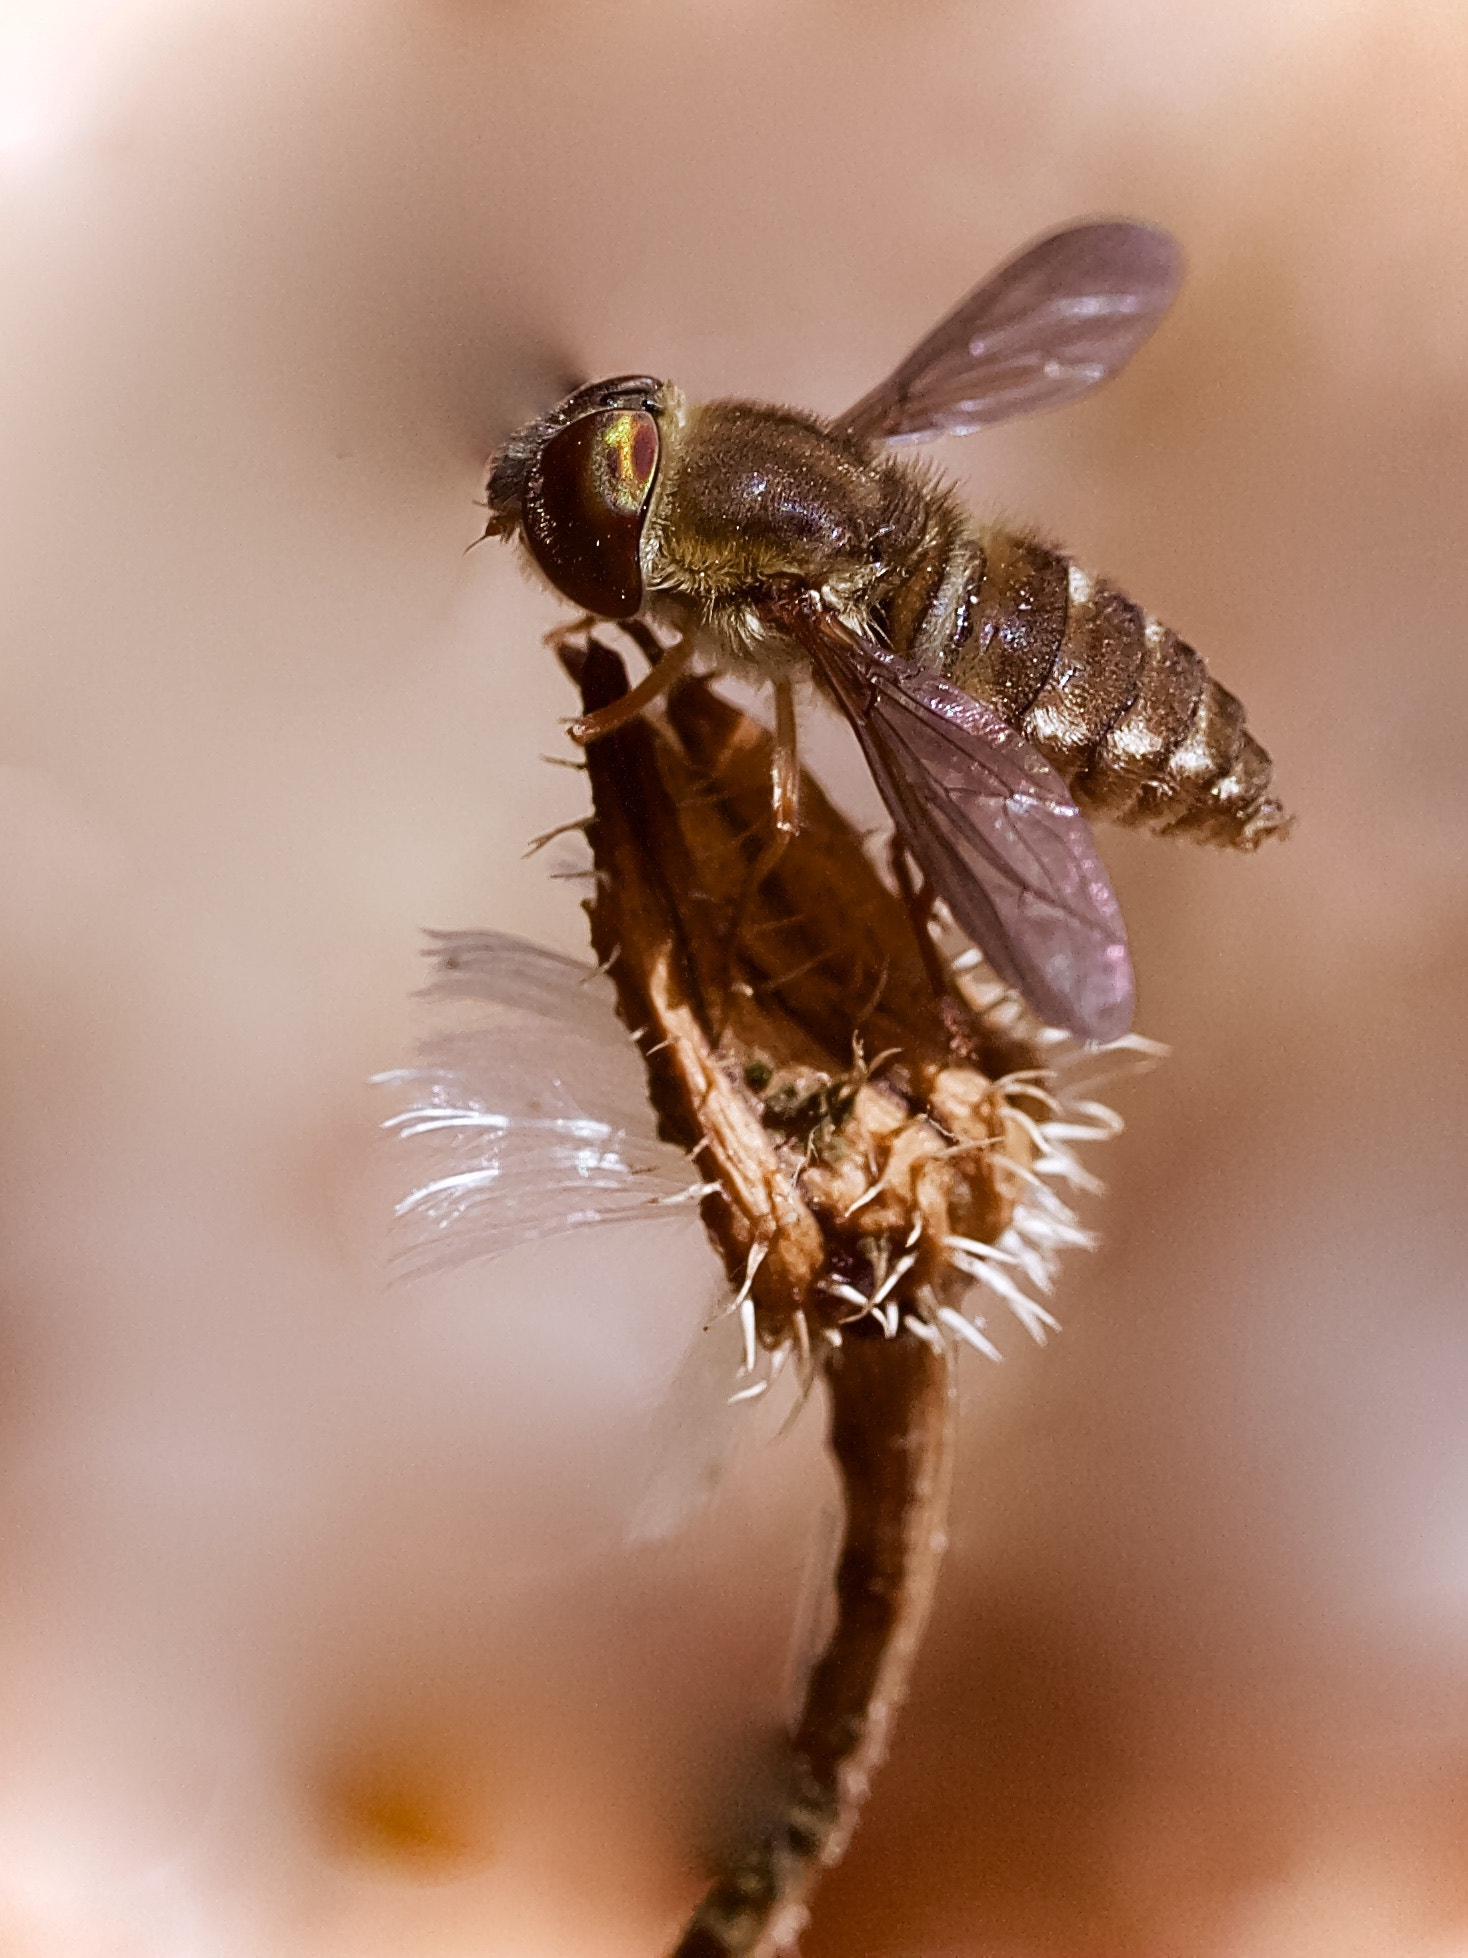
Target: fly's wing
{"x": 995, "y": 832}
{"x": 1051, "y": 324}
{"x": 528, "y": 1106}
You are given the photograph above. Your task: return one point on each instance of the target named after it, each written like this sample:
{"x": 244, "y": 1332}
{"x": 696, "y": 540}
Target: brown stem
{"x": 891, "y": 1411}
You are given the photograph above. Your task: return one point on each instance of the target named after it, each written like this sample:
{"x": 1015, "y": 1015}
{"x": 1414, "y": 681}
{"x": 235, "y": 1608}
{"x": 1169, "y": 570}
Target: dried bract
{"x": 872, "y": 1143}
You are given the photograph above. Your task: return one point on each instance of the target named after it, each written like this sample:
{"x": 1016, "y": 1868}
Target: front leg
{"x": 917, "y": 901}
{"x": 653, "y": 684}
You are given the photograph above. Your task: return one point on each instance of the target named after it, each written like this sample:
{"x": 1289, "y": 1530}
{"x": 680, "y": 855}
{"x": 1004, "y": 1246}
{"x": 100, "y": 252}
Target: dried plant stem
{"x": 874, "y": 1140}
{"x": 891, "y": 1408}
{"x": 863, "y": 1155}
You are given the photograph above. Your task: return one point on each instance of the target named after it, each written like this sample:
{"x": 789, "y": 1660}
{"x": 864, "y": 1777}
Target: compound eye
{"x": 584, "y": 505}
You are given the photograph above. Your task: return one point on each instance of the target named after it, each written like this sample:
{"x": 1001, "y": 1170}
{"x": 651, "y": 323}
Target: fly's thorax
{"x": 732, "y": 635}
{"x": 753, "y": 498}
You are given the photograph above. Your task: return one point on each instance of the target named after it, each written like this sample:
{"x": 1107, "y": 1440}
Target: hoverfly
{"x": 1001, "y": 694}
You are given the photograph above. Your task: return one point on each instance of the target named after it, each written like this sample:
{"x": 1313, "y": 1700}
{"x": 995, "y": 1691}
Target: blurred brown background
{"x": 323, "y": 1627}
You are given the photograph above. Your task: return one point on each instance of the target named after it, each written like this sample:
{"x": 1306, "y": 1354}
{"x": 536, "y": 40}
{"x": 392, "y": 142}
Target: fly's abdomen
{"x": 1124, "y": 709}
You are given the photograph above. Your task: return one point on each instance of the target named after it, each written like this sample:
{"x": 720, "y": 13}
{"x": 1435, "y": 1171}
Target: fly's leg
{"x": 667, "y": 668}
{"x": 784, "y": 802}
{"x": 643, "y": 638}
{"x": 917, "y": 901}
{"x": 784, "y": 789}
{"x": 560, "y": 636}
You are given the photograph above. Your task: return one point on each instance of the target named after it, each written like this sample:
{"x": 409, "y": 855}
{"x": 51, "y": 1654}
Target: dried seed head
{"x": 838, "y": 1187}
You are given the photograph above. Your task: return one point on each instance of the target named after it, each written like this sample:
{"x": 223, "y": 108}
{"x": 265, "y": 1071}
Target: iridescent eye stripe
{"x": 630, "y": 453}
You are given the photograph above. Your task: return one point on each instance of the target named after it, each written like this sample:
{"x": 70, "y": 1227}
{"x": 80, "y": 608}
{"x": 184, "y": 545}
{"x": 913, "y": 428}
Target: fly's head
{"x": 577, "y": 485}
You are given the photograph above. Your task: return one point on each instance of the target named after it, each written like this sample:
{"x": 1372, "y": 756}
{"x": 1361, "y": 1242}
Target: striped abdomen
{"x": 1122, "y": 707}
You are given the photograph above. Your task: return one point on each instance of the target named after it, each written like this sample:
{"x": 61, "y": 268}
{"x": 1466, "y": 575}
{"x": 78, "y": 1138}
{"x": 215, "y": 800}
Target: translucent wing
{"x": 995, "y": 832}
{"x": 1062, "y": 317}
{"x": 529, "y": 1103}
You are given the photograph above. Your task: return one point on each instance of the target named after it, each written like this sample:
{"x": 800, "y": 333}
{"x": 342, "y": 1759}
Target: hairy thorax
{"x": 755, "y": 501}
